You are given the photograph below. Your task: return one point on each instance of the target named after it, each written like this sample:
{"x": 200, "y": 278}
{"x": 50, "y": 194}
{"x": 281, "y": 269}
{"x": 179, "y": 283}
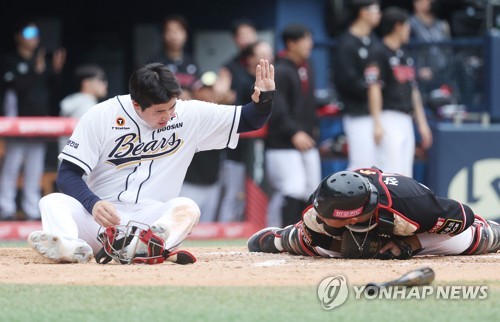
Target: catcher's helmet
{"x": 345, "y": 194}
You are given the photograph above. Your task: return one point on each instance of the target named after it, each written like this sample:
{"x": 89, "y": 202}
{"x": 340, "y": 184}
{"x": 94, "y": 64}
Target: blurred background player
{"x": 29, "y": 83}
{"x": 292, "y": 157}
{"x": 229, "y": 89}
{"x": 174, "y": 54}
{"x": 93, "y": 86}
{"x": 433, "y": 61}
{"x": 234, "y": 169}
{"x": 393, "y": 97}
{"x": 351, "y": 58}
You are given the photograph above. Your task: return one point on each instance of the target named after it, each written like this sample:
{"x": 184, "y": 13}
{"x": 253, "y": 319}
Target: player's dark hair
{"x": 390, "y": 18}
{"x": 294, "y": 32}
{"x": 86, "y": 71}
{"x": 177, "y": 18}
{"x": 239, "y": 23}
{"x": 249, "y": 50}
{"x": 356, "y": 6}
{"x": 153, "y": 84}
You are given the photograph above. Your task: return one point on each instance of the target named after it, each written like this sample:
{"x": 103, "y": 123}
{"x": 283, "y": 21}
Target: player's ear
{"x": 136, "y": 105}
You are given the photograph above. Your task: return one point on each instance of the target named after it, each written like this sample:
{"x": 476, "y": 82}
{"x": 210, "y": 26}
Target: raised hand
{"x": 264, "y": 79}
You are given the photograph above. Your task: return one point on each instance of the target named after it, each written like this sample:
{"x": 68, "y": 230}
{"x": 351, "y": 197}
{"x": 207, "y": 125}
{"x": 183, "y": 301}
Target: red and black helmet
{"x": 345, "y": 194}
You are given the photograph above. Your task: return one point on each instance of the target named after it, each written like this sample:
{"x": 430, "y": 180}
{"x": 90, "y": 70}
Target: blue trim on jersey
{"x": 232, "y": 127}
{"x": 126, "y": 183}
{"x": 90, "y": 169}
{"x": 140, "y": 186}
{"x": 140, "y": 141}
{"x": 137, "y": 125}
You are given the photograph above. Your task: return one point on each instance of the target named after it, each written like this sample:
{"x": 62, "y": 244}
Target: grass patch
{"x": 173, "y": 303}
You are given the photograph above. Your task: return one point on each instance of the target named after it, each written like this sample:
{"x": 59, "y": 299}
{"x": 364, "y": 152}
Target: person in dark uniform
{"x": 394, "y": 97}
{"x": 405, "y": 212}
{"x": 291, "y": 142}
{"x": 29, "y": 82}
{"x": 174, "y": 56}
{"x": 352, "y": 56}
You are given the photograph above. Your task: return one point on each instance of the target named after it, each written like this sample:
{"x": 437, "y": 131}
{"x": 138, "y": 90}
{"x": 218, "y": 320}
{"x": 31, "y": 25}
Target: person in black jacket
{"x": 28, "y": 81}
{"x": 292, "y": 157}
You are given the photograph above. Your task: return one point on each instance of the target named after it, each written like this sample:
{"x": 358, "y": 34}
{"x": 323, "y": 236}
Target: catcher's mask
{"x": 129, "y": 244}
{"x": 344, "y": 195}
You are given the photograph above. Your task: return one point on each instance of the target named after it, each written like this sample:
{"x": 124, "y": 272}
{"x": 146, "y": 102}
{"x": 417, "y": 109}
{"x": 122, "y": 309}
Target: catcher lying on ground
{"x": 370, "y": 214}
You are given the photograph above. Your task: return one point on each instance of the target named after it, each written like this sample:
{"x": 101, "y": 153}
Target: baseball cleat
{"x": 61, "y": 250}
{"x": 264, "y": 240}
{"x": 181, "y": 257}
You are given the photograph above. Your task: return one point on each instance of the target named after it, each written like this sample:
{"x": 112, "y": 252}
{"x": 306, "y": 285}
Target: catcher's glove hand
{"x": 404, "y": 247}
{"x": 360, "y": 245}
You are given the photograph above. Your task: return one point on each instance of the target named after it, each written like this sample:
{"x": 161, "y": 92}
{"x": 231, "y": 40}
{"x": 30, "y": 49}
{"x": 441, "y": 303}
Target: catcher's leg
{"x": 485, "y": 237}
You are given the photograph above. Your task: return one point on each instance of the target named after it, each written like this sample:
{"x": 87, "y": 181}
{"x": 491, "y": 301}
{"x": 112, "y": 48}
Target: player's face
{"x": 158, "y": 115}
{"x": 339, "y": 223}
{"x": 336, "y": 223}
{"x": 245, "y": 36}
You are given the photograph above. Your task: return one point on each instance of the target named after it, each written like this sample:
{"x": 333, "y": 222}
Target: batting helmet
{"x": 345, "y": 194}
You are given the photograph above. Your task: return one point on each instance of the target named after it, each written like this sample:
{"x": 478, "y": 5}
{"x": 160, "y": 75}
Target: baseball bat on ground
{"x": 419, "y": 277}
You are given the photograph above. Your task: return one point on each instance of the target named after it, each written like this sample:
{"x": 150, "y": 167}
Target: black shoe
{"x": 263, "y": 241}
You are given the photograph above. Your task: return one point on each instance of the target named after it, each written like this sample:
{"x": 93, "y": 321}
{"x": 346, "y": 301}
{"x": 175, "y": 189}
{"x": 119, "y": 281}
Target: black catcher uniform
{"x": 401, "y": 207}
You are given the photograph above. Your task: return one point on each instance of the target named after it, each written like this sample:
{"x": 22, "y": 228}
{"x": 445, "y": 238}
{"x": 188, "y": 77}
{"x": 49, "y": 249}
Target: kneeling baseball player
{"x": 135, "y": 150}
{"x": 370, "y": 214}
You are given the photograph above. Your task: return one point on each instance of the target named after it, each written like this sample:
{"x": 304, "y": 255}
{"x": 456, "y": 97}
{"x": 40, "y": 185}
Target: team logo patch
{"x": 120, "y": 124}
{"x": 403, "y": 74}
{"x": 120, "y": 121}
{"x": 372, "y": 74}
{"x": 446, "y": 226}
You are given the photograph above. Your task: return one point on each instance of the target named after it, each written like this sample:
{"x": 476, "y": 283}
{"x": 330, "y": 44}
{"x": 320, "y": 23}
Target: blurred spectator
{"x": 234, "y": 168}
{"x": 92, "y": 85}
{"x": 28, "y": 83}
{"x": 233, "y": 87}
{"x": 393, "y": 95}
{"x": 353, "y": 54}
{"x": 433, "y": 61}
{"x": 174, "y": 55}
{"x": 201, "y": 183}
{"x": 292, "y": 158}
{"x": 244, "y": 34}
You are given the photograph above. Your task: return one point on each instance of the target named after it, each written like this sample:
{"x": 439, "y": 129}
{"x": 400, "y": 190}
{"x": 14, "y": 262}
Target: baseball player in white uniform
{"x": 135, "y": 150}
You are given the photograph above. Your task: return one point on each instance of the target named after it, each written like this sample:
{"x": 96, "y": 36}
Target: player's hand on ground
{"x": 264, "y": 79}
{"x": 392, "y": 247}
{"x": 302, "y": 141}
{"x": 105, "y": 214}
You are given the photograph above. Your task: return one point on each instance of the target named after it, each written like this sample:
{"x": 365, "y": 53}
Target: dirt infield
{"x": 235, "y": 266}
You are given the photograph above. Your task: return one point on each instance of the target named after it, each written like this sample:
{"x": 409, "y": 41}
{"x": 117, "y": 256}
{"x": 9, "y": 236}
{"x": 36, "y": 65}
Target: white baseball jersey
{"x": 128, "y": 161}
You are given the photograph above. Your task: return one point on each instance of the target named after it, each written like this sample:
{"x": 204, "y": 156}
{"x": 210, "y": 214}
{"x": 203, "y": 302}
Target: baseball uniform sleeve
{"x": 217, "y": 125}
{"x": 85, "y": 144}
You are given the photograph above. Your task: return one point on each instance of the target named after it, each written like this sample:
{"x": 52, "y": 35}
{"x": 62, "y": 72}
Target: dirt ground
{"x": 235, "y": 266}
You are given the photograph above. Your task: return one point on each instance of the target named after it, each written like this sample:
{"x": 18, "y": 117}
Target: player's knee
{"x": 186, "y": 209}
{"x": 49, "y": 200}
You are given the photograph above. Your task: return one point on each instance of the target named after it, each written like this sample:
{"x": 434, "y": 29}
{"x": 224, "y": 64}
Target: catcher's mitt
{"x": 404, "y": 247}
{"x": 360, "y": 245}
